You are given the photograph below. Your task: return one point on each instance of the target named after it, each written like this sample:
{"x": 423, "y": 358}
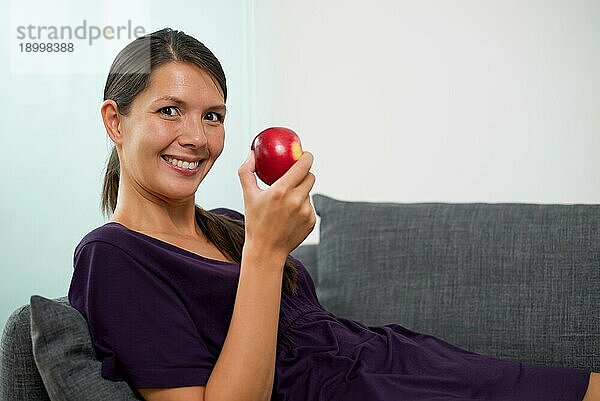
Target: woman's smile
{"x": 182, "y": 167}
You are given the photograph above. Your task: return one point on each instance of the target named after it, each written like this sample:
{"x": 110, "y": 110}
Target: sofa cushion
{"x": 19, "y": 377}
{"x": 514, "y": 281}
{"x": 65, "y": 356}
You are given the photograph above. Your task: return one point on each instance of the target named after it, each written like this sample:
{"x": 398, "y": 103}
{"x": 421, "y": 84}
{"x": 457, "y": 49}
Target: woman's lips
{"x": 183, "y": 171}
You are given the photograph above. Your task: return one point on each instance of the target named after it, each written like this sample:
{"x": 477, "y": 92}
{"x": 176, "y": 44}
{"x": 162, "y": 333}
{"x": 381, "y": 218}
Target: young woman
{"x": 188, "y": 304}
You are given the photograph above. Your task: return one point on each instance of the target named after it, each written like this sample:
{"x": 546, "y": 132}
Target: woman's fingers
{"x": 307, "y": 184}
{"x": 294, "y": 177}
{"x": 296, "y": 174}
{"x": 302, "y": 191}
{"x": 281, "y": 216}
{"x": 247, "y": 177}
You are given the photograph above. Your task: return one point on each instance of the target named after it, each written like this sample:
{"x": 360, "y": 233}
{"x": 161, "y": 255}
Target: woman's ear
{"x": 112, "y": 120}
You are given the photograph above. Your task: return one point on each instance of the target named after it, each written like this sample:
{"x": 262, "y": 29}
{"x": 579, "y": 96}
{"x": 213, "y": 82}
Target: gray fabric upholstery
{"x": 19, "y": 377}
{"x": 65, "y": 357}
{"x": 307, "y": 254}
{"x": 515, "y": 281}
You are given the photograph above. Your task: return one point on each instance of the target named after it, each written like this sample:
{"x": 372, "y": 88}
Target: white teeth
{"x": 182, "y": 164}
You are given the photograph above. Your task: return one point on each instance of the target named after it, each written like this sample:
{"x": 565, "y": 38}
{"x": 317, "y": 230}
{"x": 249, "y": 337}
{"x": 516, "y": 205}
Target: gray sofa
{"x": 515, "y": 281}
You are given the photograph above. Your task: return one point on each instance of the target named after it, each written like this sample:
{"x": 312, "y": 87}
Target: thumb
{"x": 246, "y": 175}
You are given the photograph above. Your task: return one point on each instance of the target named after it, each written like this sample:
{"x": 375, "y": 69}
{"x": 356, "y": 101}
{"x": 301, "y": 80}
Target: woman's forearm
{"x": 245, "y": 368}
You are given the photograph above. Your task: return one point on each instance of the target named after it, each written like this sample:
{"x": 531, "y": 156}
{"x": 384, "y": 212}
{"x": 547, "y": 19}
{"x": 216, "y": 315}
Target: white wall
{"x": 458, "y": 101}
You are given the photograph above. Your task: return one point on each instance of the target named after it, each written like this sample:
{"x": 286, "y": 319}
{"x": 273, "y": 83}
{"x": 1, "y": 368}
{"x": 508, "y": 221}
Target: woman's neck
{"x": 142, "y": 213}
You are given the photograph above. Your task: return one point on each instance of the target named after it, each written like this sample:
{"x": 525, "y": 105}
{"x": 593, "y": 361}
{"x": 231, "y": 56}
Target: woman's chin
{"x": 179, "y": 193}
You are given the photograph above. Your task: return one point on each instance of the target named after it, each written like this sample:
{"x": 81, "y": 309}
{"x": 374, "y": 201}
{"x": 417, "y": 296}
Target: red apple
{"x": 276, "y": 149}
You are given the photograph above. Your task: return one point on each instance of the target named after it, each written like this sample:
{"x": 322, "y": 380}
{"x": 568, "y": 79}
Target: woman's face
{"x": 177, "y": 119}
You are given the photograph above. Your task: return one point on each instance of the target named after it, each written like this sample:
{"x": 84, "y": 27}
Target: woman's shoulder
{"x": 111, "y": 233}
{"x": 108, "y": 232}
{"x": 119, "y": 238}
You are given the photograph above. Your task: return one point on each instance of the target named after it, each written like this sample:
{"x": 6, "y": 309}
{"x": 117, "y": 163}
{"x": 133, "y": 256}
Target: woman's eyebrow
{"x": 180, "y": 102}
{"x": 220, "y": 107}
{"x": 170, "y": 98}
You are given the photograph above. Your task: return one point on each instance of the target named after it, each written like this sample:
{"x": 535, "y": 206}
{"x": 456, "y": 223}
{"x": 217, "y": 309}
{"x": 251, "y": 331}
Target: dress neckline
{"x": 172, "y": 247}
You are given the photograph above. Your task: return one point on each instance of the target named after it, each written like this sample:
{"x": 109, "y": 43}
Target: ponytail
{"x": 110, "y": 188}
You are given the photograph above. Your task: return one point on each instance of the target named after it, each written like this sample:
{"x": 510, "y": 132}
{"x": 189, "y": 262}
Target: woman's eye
{"x": 215, "y": 117}
{"x": 169, "y": 111}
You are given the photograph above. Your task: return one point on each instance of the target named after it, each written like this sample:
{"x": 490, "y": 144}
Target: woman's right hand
{"x": 278, "y": 218}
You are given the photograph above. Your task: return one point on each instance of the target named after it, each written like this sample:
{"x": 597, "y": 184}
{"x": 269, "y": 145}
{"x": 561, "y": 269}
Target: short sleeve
{"x": 139, "y": 326}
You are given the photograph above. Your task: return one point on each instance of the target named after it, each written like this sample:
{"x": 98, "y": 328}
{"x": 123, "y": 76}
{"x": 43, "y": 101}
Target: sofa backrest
{"x": 513, "y": 281}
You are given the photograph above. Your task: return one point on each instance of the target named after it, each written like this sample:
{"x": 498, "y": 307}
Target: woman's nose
{"x": 194, "y": 135}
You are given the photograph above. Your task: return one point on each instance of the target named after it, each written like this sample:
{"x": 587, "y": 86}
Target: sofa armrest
{"x": 20, "y": 379}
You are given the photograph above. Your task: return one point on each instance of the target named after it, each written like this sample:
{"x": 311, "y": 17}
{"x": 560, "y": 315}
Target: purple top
{"x": 158, "y": 316}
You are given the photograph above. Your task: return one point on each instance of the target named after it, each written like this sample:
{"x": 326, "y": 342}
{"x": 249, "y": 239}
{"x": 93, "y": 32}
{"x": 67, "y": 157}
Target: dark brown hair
{"x": 128, "y": 76}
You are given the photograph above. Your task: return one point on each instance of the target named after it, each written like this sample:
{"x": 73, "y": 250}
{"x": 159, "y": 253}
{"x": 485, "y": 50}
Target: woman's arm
{"x": 246, "y": 366}
{"x": 593, "y": 390}
{"x": 277, "y": 220}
